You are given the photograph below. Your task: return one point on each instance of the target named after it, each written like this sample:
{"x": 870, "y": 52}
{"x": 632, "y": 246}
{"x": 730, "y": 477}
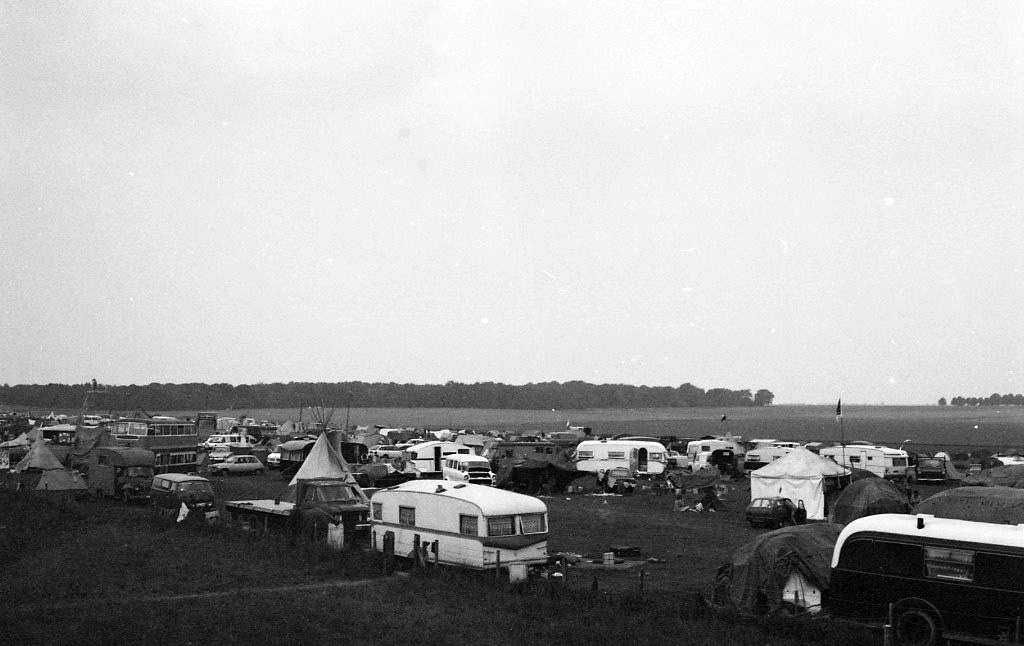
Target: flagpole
{"x": 842, "y": 430}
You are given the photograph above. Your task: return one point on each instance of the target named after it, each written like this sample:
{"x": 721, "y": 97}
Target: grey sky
{"x": 822, "y": 199}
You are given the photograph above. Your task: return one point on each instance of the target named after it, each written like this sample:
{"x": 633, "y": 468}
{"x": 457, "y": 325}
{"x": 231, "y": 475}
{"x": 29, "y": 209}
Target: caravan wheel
{"x": 916, "y": 627}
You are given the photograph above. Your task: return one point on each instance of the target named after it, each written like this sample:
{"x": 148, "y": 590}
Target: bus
{"x": 172, "y": 440}
{"x": 931, "y": 579}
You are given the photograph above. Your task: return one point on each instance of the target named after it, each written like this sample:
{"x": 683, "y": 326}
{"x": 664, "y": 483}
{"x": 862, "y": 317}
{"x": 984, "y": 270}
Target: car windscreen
{"x": 335, "y": 492}
{"x": 197, "y": 486}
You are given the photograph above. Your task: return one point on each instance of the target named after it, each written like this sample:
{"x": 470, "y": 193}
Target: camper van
{"x": 701, "y": 452}
{"x": 932, "y": 579}
{"x": 460, "y": 467}
{"x": 463, "y": 524}
{"x": 121, "y": 472}
{"x": 427, "y": 458}
{"x": 641, "y": 457}
{"x": 882, "y": 461}
{"x": 765, "y": 453}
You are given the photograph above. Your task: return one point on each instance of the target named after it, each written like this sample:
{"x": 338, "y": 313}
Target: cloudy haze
{"x": 821, "y": 199}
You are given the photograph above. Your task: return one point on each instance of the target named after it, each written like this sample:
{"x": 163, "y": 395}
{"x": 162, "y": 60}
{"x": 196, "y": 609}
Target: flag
{"x": 723, "y": 418}
{"x": 839, "y": 410}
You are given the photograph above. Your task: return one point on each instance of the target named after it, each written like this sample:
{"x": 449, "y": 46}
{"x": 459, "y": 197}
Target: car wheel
{"x": 258, "y": 472}
{"x": 916, "y": 627}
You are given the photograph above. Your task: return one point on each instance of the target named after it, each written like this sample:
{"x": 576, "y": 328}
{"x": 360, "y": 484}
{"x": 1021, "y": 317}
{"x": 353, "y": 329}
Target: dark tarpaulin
{"x": 867, "y": 497}
{"x": 753, "y": 581}
{"x": 1011, "y": 475}
{"x": 1001, "y": 505}
{"x": 532, "y": 476}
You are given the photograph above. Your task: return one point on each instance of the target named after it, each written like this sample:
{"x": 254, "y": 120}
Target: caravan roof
{"x": 490, "y": 501}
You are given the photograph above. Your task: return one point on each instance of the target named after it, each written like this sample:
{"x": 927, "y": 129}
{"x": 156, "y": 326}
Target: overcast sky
{"x": 823, "y": 199}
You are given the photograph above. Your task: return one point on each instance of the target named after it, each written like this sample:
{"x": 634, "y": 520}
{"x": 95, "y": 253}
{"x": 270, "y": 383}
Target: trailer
{"x": 883, "y": 461}
{"x": 427, "y": 458}
{"x": 640, "y": 457}
{"x": 464, "y": 525}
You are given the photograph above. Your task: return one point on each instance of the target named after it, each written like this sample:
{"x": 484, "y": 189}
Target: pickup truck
{"x": 319, "y": 503}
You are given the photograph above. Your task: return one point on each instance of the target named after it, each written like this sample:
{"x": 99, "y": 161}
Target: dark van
{"x": 124, "y": 472}
{"x": 931, "y": 578}
{"x": 170, "y": 490}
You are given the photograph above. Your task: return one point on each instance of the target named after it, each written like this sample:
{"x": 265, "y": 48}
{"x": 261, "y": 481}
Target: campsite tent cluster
{"x": 788, "y": 569}
{"x": 41, "y": 473}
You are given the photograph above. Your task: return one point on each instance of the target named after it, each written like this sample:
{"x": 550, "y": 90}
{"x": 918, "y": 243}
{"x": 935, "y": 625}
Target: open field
{"x": 98, "y": 572}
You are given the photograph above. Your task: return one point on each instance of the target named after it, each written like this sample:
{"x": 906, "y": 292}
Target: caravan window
{"x": 950, "y": 564}
{"x": 407, "y": 516}
{"x": 533, "y": 523}
{"x": 501, "y": 526}
{"x": 616, "y": 455}
{"x": 585, "y": 455}
{"x": 468, "y": 525}
{"x": 378, "y": 511}
{"x": 883, "y": 557}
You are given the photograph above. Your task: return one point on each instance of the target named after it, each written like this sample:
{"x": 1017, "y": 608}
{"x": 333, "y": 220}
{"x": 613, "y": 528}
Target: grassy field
{"x": 97, "y": 572}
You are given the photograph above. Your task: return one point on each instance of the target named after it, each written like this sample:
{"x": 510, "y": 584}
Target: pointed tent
{"x": 798, "y": 475}
{"x": 40, "y": 472}
{"x": 323, "y": 462}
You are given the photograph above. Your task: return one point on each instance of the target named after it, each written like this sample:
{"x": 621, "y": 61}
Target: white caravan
{"x": 700, "y": 451}
{"x": 468, "y": 468}
{"x": 763, "y": 454}
{"x": 427, "y": 458}
{"x": 641, "y": 457}
{"x": 882, "y": 461}
{"x": 461, "y": 524}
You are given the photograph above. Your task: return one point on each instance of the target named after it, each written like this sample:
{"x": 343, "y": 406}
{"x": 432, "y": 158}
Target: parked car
{"x": 170, "y": 490}
{"x": 238, "y": 464}
{"x": 677, "y": 460}
{"x": 386, "y": 452}
{"x": 219, "y": 454}
{"x": 274, "y": 460}
{"x": 775, "y": 511}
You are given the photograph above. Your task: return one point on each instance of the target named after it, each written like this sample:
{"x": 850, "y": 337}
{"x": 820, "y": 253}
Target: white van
{"x": 882, "y": 461}
{"x": 427, "y": 458}
{"x": 641, "y": 457}
{"x": 468, "y": 468}
{"x": 230, "y": 441}
{"x": 461, "y": 524}
{"x": 764, "y": 454}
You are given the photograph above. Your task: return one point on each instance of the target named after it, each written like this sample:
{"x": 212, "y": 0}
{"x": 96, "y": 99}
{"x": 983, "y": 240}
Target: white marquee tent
{"x": 798, "y": 475}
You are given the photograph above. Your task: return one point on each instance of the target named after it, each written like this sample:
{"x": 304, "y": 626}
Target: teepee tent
{"x": 41, "y": 473}
{"x": 798, "y": 475}
{"x": 323, "y": 462}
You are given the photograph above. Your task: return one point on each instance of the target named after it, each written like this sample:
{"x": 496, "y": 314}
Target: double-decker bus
{"x": 173, "y": 441}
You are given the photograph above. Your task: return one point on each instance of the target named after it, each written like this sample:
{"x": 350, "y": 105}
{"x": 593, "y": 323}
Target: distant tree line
{"x": 198, "y": 396}
{"x": 995, "y": 399}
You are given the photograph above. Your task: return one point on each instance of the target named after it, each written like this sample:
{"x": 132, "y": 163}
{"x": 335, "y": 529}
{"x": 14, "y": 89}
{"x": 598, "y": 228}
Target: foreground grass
{"x": 93, "y": 574}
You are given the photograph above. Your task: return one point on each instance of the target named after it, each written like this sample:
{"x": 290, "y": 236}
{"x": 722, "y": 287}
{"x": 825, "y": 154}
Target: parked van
{"x": 463, "y": 524}
{"x": 882, "y": 461}
{"x": 170, "y": 490}
{"x": 932, "y": 579}
{"x": 641, "y": 457}
{"x": 126, "y": 473}
{"x": 468, "y": 468}
{"x": 233, "y": 441}
{"x": 427, "y": 458}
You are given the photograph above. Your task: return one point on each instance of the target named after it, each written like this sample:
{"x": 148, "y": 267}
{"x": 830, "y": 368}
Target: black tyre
{"x": 258, "y": 472}
{"x": 915, "y": 627}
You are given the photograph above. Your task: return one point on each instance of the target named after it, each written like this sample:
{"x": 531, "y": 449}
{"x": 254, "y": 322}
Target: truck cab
{"x": 322, "y": 502}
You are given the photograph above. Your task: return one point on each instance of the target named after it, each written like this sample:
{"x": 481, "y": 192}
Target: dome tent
{"x": 798, "y": 475}
{"x": 866, "y": 498}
